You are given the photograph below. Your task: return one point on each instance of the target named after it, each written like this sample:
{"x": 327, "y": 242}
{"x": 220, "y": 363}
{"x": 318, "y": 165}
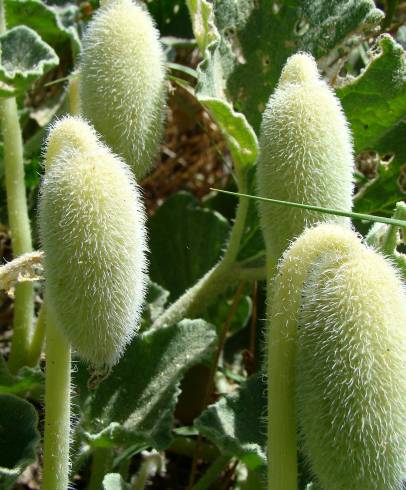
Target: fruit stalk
{"x": 18, "y": 219}
{"x": 284, "y": 297}
{"x": 57, "y": 412}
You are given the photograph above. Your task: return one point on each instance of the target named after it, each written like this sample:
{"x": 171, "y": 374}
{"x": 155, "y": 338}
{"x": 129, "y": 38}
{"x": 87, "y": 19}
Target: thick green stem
{"x": 57, "y": 410}
{"x": 237, "y": 231}
{"x": 37, "y": 341}
{"x": 213, "y": 472}
{"x": 22, "y": 320}
{"x": 101, "y": 463}
{"x": 19, "y": 226}
{"x": 74, "y": 96}
{"x": 284, "y": 297}
{"x": 197, "y": 298}
{"x": 215, "y": 282}
{"x": 18, "y": 219}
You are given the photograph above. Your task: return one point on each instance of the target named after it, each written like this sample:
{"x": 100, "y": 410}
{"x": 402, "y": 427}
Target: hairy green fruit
{"x": 122, "y": 81}
{"x": 306, "y": 154}
{"x": 92, "y": 230}
{"x": 351, "y": 373}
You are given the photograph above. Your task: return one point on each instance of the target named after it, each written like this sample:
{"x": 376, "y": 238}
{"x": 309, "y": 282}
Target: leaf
{"x": 375, "y": 105}
{"x": 253, "y": 39}
{"x": 135, "y": 403}
{"x": 218, "y": 313}
{"x": 24, "y": 58}
{"x": 241, "y": 138}
{"x": 27, "y": 380}
{"x": 55, "y": 24}
{"x": 114, "y": 481}
{"x": 172, "y": 17}
{"x": 156, "y": 299}
{"x": 185, "y": 242}
{"x": 19, "y": 437}
{"x": 236, "y": 423}
{"x": 204, "y": 30}
{"x": 376, "y": 100}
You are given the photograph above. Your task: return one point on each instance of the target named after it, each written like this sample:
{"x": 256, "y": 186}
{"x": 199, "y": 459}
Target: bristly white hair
{"x": 122, "y": 81}
{"x": 306, "y": 154}
{"x": 92, "y": 228}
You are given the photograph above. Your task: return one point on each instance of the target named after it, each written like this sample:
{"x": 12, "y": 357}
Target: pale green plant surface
{"x": 190, "y": 383}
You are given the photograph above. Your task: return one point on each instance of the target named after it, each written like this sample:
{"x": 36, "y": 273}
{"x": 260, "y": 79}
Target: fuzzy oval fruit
{"x": 351, "y": 372}
{"x": 69, "y": 133}
{"x": 122, "y": 81}
{"x": 305, "y": 156}
{"x": 92, "y": 229}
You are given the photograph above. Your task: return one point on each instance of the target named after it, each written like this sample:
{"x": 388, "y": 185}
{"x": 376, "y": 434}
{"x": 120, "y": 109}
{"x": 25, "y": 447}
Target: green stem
{"x": 237, "y": 231}
{"x": 284, "y": 298}
{"x": 124, "y": 468}
{"x": 74, "y": 96}
{"x": 57, "y": 410}
{"x": 101, "y": 463}
{"x": 3, "y": 26}
{"x": 214, "y": 282}
{"x": 18, "y": 219}
{"x": 14, "y": 167}
{"x": 149, "y": 467}
{"x": 197, "y": 298}
{"x": 22, "y": 320}
{"x": 213, "y": 472}
{"x": 37, "y": 341}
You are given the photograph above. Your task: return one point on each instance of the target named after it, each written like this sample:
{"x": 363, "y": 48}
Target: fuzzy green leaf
{"x": 56, "y": 24}
{"x": 375, "y": 105}
{"x": 27, "y": 380}
{"x": 185, "y": 242}
{"x": 240, "y": 136}
{"x": 236, "y": 423}
{"x": 245, "y": 53}
{"x": 156, "y": 299}
{"x": 19, "y": 437}
{"x": 376, "y": 100}
{"x": 25, "y": 57}
{"x": 135, "y": 403}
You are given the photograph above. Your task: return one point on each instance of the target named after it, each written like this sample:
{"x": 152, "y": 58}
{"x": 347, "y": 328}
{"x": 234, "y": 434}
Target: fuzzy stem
{"x": 22, "y": 320}
{"x": 284, "y": 297}
{"x": 74, "y": 96}
{"x": 37, "y": 341}
{"x": 101, "y": 463}
{"x": 149, "y": 467}
{"x": 197, "y": 298}
{"x": 18, "y": 219}
{"x": 3, "y": 26}
{"x": 233, "y": 246}
{"x": 124, "y": 468}
{"x": 19, "y": 226}
{"x": 57, "y": 410}
{"x": 213, "y": 472}
{"x": 214, "y": 282}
